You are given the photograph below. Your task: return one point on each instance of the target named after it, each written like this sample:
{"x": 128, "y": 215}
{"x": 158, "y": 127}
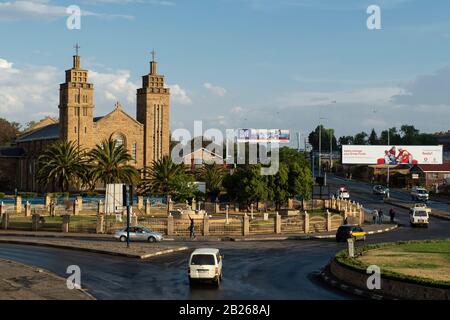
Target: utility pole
{"x": 331, "y": 149}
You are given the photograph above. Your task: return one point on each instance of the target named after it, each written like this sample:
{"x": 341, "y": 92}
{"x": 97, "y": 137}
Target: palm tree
{"x": 213, "y": 175}
{"x": 161, "y": 178}
{"x": 109, "y": 163}
{"x": 62, "y": 165}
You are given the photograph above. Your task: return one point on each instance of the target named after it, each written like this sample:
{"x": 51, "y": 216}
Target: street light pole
{"x": 389, "y": 165}
{"x": 320, "y": 147}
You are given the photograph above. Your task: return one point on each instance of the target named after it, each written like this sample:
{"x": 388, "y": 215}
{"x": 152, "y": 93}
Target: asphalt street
{"x": 252, "y": 270}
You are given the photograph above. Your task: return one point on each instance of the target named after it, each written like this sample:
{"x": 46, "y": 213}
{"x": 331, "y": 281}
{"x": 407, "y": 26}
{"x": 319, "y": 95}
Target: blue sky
{"x": 238, "y": 63}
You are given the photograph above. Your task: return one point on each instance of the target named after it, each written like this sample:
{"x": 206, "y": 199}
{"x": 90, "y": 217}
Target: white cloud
{"x": 216, "y": 90}
{"x": 112, "y": 87}
{"x": 42, "y": 9}
{"x": 5, "y": 64}
{"x": 179, "y": 95}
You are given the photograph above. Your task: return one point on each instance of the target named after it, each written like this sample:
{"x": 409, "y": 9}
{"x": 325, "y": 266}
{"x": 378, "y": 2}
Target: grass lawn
{"x": 427, "y": 260}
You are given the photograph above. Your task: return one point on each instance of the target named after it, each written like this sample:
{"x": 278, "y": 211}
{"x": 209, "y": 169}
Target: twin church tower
{"x": 146, "y": 137}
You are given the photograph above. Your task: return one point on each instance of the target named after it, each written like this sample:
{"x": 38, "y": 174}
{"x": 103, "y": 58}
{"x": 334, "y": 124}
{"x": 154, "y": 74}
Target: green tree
{"x": 278, "y": 186}
{"x": 246, "y": 184}
{"x": 109, "y": 163}
{"x": 373, "y": 138}
{"x": 299, "y": 173}
{"x": 345, "y": 140}
{"x": 327, "y": 137}
{"x": 61, "y": 164}
{"x": 360, "y": 138}
{"x": 213, "y": 175}
{"x": 8, "y": 131}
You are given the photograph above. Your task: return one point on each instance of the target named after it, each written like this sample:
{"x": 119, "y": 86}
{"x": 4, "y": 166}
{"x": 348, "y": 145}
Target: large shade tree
{"x": 109, "y": 163}
{"x": 61, "y": 165}
{"x": 213, "y": 175}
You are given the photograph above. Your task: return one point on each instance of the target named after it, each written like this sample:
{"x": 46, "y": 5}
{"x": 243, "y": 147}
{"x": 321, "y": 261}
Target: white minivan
{"x": 205, "y": 264}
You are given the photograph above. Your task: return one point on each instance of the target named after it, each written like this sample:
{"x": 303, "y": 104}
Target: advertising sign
{"x": 393, "y": 155}
{"x": 263, "y": 135}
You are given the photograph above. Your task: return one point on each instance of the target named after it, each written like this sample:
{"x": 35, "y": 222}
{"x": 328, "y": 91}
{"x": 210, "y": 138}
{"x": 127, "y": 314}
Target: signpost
{"x": 127, "y": 195}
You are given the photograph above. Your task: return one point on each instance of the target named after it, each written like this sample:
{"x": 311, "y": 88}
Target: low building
{"x": 430, "y": 175}
{"x": 199, "y": 157}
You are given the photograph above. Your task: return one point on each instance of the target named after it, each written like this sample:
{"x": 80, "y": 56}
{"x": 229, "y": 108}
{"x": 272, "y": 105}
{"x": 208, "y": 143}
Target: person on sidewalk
{"x": 375, "y": 216}
{"x": 380, "y": 216}
{"x": 392, "y": 215}
{"x": 192, "y": 228}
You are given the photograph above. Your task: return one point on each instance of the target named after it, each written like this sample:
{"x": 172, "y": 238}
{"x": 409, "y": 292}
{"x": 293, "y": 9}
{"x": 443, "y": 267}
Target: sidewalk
{"x": 22, "y": 282}
{"x": 107, "y": 239}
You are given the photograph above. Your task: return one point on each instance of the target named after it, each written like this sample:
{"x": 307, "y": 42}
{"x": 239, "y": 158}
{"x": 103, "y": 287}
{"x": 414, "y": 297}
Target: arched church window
{"x": 120, "y": 139}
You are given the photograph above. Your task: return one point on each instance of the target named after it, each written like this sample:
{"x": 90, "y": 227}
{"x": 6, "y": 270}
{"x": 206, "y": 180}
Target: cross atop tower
{"x": 77, "y": 48}
{"x": 153, "y": 55}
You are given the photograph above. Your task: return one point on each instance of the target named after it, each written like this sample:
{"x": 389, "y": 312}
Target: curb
{"x": 332, "y": 281}
{"x": 112, "y": 253}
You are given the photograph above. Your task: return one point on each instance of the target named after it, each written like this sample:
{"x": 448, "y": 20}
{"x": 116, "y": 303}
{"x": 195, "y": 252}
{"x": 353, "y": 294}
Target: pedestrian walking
{"x": 380, "y": 216}
{"x": 192, "y": 228}
{"x": 392, "y": 215}
{"x": 346, "y": 220}
{"x": 375, "y": 216}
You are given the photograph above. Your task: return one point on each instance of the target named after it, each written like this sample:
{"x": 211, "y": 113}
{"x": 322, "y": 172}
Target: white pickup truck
{"x": 418, "y": 217}
{"x": 422, "y": 206}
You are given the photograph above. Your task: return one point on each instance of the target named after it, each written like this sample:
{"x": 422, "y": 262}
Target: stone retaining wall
{"x": 390, "y": 287}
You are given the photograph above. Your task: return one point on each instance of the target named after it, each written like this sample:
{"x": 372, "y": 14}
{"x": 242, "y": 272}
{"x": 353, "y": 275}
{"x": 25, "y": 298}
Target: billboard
{"x": 263, "y": 135}
{"x": 353, "y": 154}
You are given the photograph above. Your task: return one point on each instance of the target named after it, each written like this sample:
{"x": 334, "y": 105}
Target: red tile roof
{"x": 445, "y": 167}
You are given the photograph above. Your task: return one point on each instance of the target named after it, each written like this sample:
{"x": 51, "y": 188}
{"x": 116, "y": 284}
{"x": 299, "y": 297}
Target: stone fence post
{"x": 140, "y": 202}
{"x": 48, "y": 202}
{"x": 205, "y": 225}
{"x": 2, "y": 208}
{"x": 65, "y": 223}
{"x": 80, "y": 203}
{"x": 100, "y": 207}
{"x": 306, "y": 223}
{"x": 361, "y": 216}
{"x": 19, "y": 204}
{"x": 134, "y": 220}
{"x": 148, "y": 206}
{"x": 28, "y": 209}
{"x": 76, "y": 209}
{"x": 217, "y": 206}
{"x": 194, "y": 204}
{"x": 277, "y": 223}
{"x": 5, "y": 220}
{"x": 328, "y": 216}
{"x": 170, "y": 225}
{"x": 245, "y": 226}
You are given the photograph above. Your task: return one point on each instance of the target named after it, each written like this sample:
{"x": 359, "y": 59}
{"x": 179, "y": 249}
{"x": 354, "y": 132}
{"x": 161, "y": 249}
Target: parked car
{"x": 419, "y": 194}
{"x": 379, "y": 189}
{"x": 419, "y": 217}
{"x": 422, "y": 206}
{"x": 205, "y": 264}
{"x": 138, "y": 233}
{"x": 343, "y": 193}
{"x": 348, "y": 231}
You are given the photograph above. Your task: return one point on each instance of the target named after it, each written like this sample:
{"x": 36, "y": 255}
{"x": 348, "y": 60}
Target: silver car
{"x": 138, "y": 234}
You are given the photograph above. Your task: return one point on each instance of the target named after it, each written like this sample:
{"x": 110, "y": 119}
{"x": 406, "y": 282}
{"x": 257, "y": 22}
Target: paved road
{"x": 365, "y": 187}
{"x": 252, "y": 270}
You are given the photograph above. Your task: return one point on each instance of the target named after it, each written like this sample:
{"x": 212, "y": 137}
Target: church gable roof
{"x": 49, "y": 132}
{"x": 117, "y": 109}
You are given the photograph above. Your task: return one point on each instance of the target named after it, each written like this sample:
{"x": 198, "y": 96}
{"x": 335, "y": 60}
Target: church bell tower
{"x": 76, "y": 105}
{"x": 153, "y": 110}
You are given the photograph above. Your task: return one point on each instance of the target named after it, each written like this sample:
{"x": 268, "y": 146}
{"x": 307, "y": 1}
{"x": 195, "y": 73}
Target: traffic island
{"x": 139, "y": 250}
{"x": 408, "y": 270}
{"x": 407, "y": 205}
{"x": 22, "y": 282}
